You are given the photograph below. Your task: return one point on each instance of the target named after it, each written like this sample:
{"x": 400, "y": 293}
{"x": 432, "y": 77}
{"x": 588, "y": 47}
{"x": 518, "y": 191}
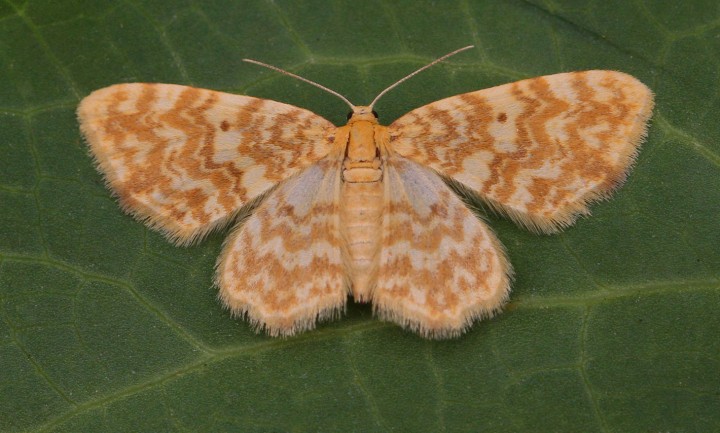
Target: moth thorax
{"x": 361, "y": 143}
{"x": 362, "y": 163}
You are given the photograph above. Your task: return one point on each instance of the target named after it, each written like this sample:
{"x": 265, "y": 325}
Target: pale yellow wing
{"x": 440, "y": 267}
{"x": 283, "y": 267}
{"x": 184, "y": 159}
{"x": 540, "y": 149}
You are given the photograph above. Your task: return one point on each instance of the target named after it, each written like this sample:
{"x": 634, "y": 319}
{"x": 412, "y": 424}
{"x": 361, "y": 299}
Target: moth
{"x": 364, "y": 209}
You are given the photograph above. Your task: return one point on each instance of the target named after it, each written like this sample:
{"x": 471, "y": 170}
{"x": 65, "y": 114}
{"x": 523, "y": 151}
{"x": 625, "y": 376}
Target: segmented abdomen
{"x": 361, "y": 217}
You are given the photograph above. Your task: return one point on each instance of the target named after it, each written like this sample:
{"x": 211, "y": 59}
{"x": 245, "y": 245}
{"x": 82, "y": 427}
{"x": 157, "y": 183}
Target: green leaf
{"x": 612, "y": 326}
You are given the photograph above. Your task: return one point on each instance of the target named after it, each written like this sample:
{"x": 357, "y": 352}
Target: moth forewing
{"x": 539, "y": 150}
{"x": 184, "y": 160}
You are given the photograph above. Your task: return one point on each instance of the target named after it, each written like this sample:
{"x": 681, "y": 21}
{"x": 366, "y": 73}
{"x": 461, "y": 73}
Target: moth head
{"x": 362, "y": 113}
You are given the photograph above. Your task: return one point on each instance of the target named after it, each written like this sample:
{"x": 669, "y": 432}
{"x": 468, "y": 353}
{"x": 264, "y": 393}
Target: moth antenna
{"x": 418, "y": 71}
{"x": 320, "y": 86}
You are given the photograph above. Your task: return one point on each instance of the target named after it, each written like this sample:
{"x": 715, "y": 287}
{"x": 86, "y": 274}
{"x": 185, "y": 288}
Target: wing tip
{"x": 175, "y": 233}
